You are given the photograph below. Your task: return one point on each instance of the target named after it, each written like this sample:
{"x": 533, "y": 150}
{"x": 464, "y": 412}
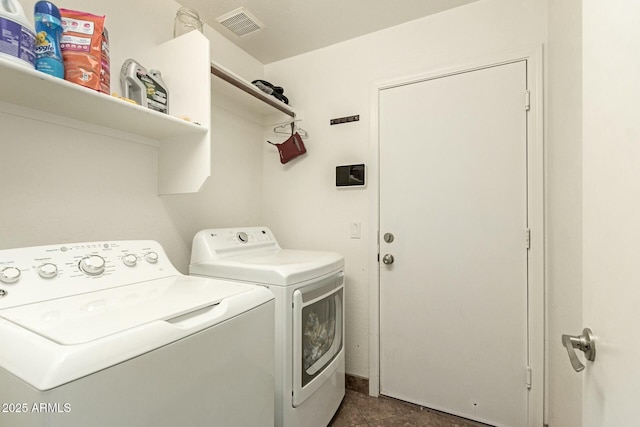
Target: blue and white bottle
{"x": 48, "y": 25}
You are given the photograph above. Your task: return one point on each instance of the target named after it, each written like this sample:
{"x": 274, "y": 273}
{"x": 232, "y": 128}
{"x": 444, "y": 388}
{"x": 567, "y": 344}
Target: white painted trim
{"x": 537, "y": 253}
{"x": 536, "y": 209}
{"x": 374, "y": 239}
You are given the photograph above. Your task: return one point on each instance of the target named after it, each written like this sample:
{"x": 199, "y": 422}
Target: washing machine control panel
{"x": 34, "y": 274}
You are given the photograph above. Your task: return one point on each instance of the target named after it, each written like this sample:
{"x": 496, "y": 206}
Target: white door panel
{"x": 611, "y": 206}
{"x": 453, "y": 192}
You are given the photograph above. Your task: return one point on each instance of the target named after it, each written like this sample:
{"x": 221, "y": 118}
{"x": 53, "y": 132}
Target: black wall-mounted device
{"x": 348, "y": 119}
{"x": 350, "y": 175}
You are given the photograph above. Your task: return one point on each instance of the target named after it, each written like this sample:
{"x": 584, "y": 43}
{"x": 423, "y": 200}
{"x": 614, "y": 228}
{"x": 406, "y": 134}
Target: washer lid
{"x": 88, "y": 317}
{"x": 52, "y": 343}
{"x": 282, "y": 267}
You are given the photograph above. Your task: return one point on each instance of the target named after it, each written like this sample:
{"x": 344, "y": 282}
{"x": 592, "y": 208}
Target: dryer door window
{"x": 318, "y": 330}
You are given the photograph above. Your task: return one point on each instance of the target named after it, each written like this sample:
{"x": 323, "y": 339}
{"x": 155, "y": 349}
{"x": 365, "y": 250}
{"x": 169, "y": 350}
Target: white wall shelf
{"x": 248, "y": 95}
{"x": 181, "y": 170}
{"x": 39, "y": 91}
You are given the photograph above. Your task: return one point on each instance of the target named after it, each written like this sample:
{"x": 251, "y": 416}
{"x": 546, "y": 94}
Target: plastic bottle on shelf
{"x": 164, "y": 97}
{"x": 17, "y": 38}
{"x": 144, "y": 87}
{"x": 48, "y": 26}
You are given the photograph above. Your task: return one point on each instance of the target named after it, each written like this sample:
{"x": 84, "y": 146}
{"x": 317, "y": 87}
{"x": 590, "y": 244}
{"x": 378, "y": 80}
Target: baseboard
{"x": 358, "y": 384}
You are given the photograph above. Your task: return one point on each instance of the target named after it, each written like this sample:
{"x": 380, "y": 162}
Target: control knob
{"x": 48, "y": 270}
{"x": 151, "y": 257}
{"x": 130, "y": 260}
{"x": 93, "y": 265}
{"x": 9, "y": 275}
{"x": 243, "y": 237}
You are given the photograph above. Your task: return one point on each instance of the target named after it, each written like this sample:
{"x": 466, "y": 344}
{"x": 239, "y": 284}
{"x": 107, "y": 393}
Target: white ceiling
{"x": 297, "y": 26}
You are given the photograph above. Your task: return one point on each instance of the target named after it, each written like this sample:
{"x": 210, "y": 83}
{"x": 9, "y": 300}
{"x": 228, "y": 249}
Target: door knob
{"x": 387, "y": 259}
{"x": 584, "y": 343}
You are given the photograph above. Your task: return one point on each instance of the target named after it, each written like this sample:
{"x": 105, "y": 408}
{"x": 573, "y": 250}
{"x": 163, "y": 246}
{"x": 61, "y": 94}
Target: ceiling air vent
{"x": 240, "y": 22}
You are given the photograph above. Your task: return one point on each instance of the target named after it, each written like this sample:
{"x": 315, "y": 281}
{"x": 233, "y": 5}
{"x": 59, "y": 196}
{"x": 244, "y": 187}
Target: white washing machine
{"x": 111, "y": 334}
{"x": 309, "y": 338}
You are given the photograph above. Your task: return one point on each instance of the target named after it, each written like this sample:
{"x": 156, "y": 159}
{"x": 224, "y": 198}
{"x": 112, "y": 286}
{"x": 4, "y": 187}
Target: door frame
{"x": 535, "y": 211}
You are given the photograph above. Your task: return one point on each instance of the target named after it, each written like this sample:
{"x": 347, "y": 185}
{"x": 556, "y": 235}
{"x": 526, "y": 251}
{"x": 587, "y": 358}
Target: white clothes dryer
{"x": 111, "y": 334}
{"x": 309, "y": 318}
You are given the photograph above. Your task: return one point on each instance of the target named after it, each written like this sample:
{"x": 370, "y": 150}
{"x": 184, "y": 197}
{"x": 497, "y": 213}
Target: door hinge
{"x": 527, "y": 238}
{"x": 527, "y": 100}
{"x": 529, "y": 377}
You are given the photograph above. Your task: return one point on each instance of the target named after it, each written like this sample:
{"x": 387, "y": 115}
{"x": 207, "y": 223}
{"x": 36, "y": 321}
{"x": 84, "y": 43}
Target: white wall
{"x": 62, "y": 185}
{"x": 301, "y": 203}
{"x": 564, "y": 208}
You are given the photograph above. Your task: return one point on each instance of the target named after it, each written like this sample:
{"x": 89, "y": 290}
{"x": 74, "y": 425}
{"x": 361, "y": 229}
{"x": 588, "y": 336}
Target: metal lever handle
{"x": 584, "y": 343}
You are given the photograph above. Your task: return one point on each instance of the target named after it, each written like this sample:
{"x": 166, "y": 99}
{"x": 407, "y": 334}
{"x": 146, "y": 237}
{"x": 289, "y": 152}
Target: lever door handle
{"x": 584, "y": 343}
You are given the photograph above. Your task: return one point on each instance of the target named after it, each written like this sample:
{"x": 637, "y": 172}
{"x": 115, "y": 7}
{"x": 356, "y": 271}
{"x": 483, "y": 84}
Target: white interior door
{"x": 611, "y": 211}
{"x": 453, "y": 192}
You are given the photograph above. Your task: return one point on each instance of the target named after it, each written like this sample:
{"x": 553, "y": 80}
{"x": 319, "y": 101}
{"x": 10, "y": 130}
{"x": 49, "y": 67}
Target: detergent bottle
{"x": 16, "y": 35}
{"x": 144, "y": 87}
{"x": 48, "y": 33}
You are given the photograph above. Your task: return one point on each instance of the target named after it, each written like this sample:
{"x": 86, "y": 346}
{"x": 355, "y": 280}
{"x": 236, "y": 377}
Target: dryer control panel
{"x": 221, "y": 242}
{"x": 41, "y": 273}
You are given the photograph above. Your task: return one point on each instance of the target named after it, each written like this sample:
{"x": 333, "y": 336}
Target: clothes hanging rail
{"x": 245, "y": 86}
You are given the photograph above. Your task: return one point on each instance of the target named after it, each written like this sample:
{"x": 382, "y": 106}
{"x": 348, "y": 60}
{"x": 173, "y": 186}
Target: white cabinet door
{"x": 453, "y": 192}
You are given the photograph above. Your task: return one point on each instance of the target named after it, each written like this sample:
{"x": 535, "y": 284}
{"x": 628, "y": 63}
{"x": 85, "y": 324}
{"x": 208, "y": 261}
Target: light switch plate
{"x": 354, "y": 230}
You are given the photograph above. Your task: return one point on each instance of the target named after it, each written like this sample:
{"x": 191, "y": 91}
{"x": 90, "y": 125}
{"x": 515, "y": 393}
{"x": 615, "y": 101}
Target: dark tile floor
{"x": 359, "y": 409}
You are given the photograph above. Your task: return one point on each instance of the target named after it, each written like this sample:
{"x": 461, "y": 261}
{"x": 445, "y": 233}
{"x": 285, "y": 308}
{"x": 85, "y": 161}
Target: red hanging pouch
{"x": 291, "y": 148}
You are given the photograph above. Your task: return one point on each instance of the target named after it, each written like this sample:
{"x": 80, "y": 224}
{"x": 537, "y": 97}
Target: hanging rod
{"x": 233, "y": 79}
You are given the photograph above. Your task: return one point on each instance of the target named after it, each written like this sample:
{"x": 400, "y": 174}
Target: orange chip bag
{"x": 86, "y": 60}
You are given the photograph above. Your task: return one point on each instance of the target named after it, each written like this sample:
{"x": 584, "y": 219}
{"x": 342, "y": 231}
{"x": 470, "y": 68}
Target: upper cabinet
{"x": 184, "y": 146}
